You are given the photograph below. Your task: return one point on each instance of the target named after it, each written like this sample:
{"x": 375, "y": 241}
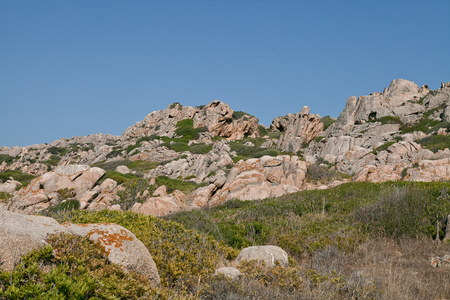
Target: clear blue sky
{"x": 72, "y": 68}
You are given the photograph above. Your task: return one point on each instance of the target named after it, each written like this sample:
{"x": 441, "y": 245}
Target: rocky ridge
{"x": 216, "y": 154}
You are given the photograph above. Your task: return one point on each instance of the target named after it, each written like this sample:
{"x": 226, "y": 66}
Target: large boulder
{"x": 20, "y": 234}
{"x": 9, "y": 186}
{"x": 121, "y": 247}
{"x": 270, "y": 255}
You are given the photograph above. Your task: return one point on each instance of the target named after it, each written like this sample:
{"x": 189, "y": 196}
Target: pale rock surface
{"x": 34, "y": 197}
{"x": 198, "y": 165}
{"x": 229, "y": 272}
{"x": 20, "y": 234}
{"x": 216, "y": 116}
{"x": 9, "y": 186}
{"x": 270, "y": 255}
{"x": 157, "y": 206}
{"x": 282, "y": 123}
{"x": 123, "y": 170}
{"x": 303, "y": 129}
{"x": 256, "y": 178}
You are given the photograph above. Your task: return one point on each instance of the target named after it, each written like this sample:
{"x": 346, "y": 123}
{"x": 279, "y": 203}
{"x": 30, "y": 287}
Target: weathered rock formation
{"x": 302, "y": 129}
{"x": 198, "y": 166}
{"x": 217, "y": 117}
{"x": 78, "y": 180}
{"x": 253, "y": 179}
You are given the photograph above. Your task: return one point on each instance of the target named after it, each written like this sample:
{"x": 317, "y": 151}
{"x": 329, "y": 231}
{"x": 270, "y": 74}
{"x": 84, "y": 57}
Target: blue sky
{"x": 72, "y": 68}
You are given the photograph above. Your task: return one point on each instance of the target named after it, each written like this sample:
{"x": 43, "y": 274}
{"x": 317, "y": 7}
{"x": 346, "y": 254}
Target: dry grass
{"x": 398, "y": 269}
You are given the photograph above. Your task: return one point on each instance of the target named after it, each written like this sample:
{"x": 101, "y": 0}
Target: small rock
{"x": 268, "y": 254}
{"x": 229, "y": 272}
{"x": 123, "y": 170}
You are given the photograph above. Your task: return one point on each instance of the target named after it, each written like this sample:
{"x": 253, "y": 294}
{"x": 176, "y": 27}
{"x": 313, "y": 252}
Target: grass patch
{"x": 382, "y": 147}
{"x": 175, "y": 184}
{"x": 23, "y": 178}
{"x": 312, "y": 220}
{"x": 6, "y": 158}
{"x": 237, "y": 114}
{"x": 387, "y": 120}
{"x": 327, "y": 122}
{"x": 435, "y": 142}
{"x": 78, "y": 271}
{"x": 138, "y": 165}
{"x": 246, "y": 152}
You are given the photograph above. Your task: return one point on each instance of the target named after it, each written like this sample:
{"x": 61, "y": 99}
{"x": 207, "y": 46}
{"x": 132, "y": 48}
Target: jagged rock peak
{"x": 300, "y": 129}
{"x": 216, "y": 117}
{"x": 401, "y": 99}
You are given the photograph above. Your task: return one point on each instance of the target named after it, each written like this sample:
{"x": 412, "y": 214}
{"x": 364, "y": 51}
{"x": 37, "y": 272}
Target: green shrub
{"x": 200, "y": 148}
{"x": 177, "y": 146}
{"x": 185, "y": 128}
{"x": 176, "y": 104}
{"x": 57, "y": 150}
{"x": 6, "y": 158}
{"x": 53, "y": 160}
{"x": 178, "y": 253}
{"x": 116, "y": 151}
{"x": 435, "y": 142}
{"x": 262, "y": 130}
{"x": 327, "y": 122}
{"x": 71, "y": 267}
{"x": 23, "y": 178}
{"x": 237, "y": 114}
{"x": 246, "y": 152}
{"x": 410, "y": 209}
{"x": 382, "y": 147}
{"x": 132, "y": 188}
{"x": 387, "y": 120}
{"x": 319, "y": 173}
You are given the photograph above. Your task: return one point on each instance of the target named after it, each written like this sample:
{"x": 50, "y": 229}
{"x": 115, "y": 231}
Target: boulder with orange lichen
{"x": 120, "y": 246}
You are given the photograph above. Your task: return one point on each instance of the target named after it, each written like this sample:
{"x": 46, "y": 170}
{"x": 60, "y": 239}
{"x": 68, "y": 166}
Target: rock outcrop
{"x": 198, "y": 166}
{"x": 253, "y": 179}
{"x": 216, "y": 117}
{"x": 301, "y": 130}
{"x": 79, "y": 180}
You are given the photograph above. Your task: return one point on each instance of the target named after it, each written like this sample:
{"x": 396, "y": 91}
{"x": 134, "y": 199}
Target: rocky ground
{"x": 211, "y": 154}
{"x": 185, "y": 160}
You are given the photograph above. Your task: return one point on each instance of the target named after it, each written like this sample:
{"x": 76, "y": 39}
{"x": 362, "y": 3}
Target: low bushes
{"x": 435, "y": 142}
{"x": 179, "y": 253}
{"x": 23, "y": 178}
{"x": 71, "y": 267}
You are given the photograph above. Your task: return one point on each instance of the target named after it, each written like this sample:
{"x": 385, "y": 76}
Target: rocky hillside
{"x": 183, "y": 157}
